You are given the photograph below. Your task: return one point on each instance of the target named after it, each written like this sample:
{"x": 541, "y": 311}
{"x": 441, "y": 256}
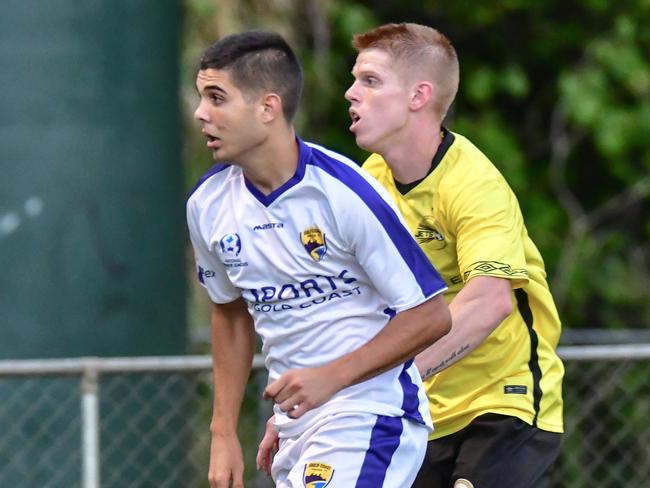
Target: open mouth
{"x": 213, "y": 142}
{"x": 355, "y": 118}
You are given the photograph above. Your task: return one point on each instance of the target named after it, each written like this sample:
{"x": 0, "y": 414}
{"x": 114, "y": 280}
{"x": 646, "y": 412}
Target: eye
{"x": 216, "y": 99}
{"x": 370, "y": 81}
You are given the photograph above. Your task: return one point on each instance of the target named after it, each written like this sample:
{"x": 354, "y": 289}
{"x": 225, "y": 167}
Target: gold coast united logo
{"x": 317, "y": 475}
{"x": 314, "y": 242}
{"x": 427, "y": 233}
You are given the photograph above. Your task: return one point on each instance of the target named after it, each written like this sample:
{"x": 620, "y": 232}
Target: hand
{"x": 300, "y": 390}
{"x": 268, "y": 447}
{"x": 226, "y": 462}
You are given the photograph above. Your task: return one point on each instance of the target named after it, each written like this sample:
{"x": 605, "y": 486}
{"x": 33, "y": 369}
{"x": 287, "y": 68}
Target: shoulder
{"x": 209, "y": 189}
{"x": 469, "y": 181}
{"x": 346, "y": 182}
{"x": 467, "y": 155}
{"x": 207, "y": 176}
{"x": 210, "y": 182}
{"x": 466, "y": 166}
{"x": 338, "y": 170}
{"x": 328, "y": 160}
{"x": 376, "y": 166}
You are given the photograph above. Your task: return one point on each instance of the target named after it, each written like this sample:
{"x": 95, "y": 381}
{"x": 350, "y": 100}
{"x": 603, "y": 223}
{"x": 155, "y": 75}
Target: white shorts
{"x": 352, "y": 450}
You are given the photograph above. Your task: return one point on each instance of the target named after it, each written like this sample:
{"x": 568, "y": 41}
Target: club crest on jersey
{"x": 230, "y": 244}
{"x": 427, "y": 233}
{"x": 317, "y": 475}
{"x": 313, "y": 240}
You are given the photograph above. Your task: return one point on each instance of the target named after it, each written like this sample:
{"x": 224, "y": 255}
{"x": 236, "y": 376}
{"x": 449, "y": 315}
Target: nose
{"x": 351, "y": 94}
{"x": 200, "y": 112}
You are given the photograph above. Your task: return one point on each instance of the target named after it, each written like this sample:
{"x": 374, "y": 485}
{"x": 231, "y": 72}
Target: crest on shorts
{"x": 313, "y": 240}
{"x": 317, "y": 475}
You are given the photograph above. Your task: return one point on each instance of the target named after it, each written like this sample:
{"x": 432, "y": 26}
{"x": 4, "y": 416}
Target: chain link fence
{"x": 143, "y": 422}
{"x": 607, "y": 417}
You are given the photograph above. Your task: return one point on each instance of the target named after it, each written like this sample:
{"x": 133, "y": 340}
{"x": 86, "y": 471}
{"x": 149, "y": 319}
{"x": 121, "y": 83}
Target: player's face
{"x": 379, "y": 101}
{"x": 230, "y": 123}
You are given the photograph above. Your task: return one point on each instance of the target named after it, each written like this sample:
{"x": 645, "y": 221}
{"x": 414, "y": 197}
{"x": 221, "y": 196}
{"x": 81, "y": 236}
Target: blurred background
{"x": 98, "y": 150}
{"x": 557, "y": 94}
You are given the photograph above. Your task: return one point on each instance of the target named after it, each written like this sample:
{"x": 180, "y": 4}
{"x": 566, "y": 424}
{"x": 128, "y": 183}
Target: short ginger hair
{"x": 421, "y": 50}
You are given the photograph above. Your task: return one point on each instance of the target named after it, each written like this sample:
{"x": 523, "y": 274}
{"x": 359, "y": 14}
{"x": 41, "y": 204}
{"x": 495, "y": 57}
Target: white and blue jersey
{"x": 323, "y": 263}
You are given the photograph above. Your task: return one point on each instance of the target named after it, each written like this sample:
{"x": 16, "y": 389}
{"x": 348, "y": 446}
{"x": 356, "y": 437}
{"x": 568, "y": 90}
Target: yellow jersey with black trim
{"x": 468, "y": 221}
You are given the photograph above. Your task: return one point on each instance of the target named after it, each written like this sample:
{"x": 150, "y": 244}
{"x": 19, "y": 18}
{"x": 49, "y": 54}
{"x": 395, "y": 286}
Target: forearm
{"x": 461, "y": 341}
{"x": 476, "y": 312}
{"x": 233, "y": 347}
{"x": 408, "y": 333}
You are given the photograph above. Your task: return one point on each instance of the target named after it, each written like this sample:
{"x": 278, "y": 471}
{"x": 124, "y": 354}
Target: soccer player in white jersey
{"x": 293, "y": 242}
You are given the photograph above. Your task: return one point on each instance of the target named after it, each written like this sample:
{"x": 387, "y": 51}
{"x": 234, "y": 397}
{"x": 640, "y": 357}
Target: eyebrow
{"x": 364, "y": 72}
{"x": 215, "y": 88}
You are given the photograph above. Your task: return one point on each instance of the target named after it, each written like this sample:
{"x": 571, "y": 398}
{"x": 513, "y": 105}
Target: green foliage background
{"x": 557, "y": 94}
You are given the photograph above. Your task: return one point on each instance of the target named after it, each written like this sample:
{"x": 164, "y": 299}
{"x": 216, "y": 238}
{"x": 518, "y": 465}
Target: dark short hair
{"x": 258, "y": 61}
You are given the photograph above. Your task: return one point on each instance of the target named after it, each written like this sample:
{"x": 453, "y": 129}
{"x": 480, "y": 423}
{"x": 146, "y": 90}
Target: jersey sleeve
{"x": 211, "y": 272}
{"x": 484, "y": 214}
{"x": 387, "y": 251}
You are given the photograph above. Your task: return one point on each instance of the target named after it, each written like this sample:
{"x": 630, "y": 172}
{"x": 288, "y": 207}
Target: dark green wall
{"x": 91, "y": 204}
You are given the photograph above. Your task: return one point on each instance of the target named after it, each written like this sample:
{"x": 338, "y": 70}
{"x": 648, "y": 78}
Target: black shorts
{"x": 494, "y": 451}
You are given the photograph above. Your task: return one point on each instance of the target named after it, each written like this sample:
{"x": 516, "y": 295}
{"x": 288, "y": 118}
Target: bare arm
{"x": 408, "y": 333}
{"x": 477, "y": 310}
{"x": 233, "y": 346}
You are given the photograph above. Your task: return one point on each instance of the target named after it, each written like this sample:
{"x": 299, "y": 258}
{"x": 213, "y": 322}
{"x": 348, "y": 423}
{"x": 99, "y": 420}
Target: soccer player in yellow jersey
{"x": 494, "y": 382}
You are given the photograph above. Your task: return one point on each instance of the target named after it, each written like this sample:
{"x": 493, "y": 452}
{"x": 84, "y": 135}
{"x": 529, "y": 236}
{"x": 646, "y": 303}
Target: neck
{"x": 411, "y": 160}
{"x": 275, "y": 163}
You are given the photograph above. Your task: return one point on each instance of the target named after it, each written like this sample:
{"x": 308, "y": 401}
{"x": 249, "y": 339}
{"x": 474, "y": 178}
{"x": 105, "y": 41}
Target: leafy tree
{"x": 562, "y": 106}
{"x": 557, "y": 94}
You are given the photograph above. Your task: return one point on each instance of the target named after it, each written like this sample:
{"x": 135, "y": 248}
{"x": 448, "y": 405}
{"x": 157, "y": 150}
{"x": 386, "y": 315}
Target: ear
{"x": 271, "y": 107}
{"x": 421, "y": 95}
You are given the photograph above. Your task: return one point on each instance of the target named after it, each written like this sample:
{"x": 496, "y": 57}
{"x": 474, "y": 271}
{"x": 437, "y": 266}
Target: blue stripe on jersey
{"x": 411, "y": 402}
{"x": 390, "y": 312}
{"x": 199, "y": 273}
{"x": 427, "y": 277}
{"x": 212, "y": 171}
{"x": 384, "y": 441}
